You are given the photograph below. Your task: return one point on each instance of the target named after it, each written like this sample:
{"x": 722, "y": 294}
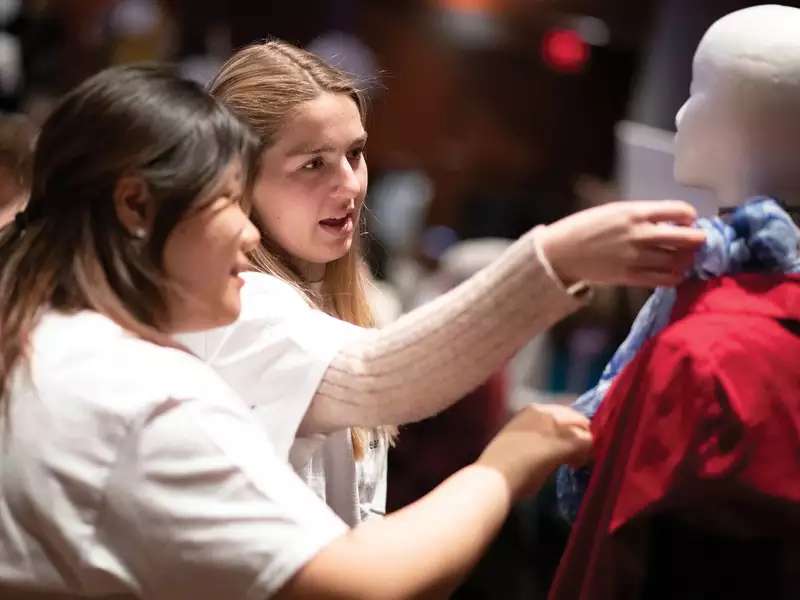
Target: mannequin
{"x": 695, "y": 491}
{"x": 739, "y": 131}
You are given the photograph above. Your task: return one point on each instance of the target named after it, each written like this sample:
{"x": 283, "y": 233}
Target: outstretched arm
{"x": 434, "y": 355}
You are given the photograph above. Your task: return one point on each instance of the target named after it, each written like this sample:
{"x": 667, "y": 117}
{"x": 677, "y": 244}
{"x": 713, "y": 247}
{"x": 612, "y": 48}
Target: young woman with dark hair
{"x": 128, "y": 468}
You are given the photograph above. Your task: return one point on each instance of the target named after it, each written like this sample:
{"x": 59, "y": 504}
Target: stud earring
{"x": 139, "y": 233}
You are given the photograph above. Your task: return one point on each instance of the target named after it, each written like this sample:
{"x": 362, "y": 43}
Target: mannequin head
{"x": 739, "y": 131}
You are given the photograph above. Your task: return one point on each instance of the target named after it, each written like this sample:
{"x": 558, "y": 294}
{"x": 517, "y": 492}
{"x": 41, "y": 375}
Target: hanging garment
{"x": 696, "y": 486}
{"x": 760, "y": 237}
{"x": 695, "y": 491}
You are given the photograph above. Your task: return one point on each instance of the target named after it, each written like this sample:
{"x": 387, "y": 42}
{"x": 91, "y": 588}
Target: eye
{"x": 314, "y": 164}
{"x": 232, "y": 196}
{"x": 356, "y": 153}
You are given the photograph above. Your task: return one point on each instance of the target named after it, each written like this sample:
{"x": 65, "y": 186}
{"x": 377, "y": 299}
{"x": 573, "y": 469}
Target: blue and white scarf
{"x": 760, "y": 236}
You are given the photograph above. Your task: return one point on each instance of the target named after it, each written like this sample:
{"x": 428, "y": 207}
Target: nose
{"x": 347, "y": 183}
{"x": 250, "y": 236}
{"x": 679, "y": 116}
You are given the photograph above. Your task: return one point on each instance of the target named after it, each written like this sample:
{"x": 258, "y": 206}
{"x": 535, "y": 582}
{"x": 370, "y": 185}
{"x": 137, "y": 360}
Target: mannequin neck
{"x": 733, "y": 194}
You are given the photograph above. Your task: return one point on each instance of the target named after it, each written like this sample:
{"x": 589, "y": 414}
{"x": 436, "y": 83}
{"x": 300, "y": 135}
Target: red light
{"x": 564, "y": 50}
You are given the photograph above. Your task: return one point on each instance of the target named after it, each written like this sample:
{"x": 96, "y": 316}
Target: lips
{"x": 338, "y": 226}
{"x": 335, "y": 222}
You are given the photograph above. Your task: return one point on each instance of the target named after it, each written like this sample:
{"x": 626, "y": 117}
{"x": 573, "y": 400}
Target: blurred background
{"x": 487, "y": 118}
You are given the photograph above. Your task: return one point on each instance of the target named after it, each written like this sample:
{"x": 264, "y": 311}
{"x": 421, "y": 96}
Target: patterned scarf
{"x": 758, "y": 236}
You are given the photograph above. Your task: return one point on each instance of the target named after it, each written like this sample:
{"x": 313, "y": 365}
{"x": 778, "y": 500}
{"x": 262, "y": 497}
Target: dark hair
{"x": 17, "y": 137}
{"x": 69, "y": 250}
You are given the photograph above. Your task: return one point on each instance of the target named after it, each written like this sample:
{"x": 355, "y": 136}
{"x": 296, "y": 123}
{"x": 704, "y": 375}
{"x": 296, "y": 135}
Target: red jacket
{"x": 696, "y": 488}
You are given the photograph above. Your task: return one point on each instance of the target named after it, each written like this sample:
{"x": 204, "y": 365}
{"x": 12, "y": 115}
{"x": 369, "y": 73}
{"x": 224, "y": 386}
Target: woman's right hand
{"x": 537, "y": 440}
{"x": 626, "y": 243}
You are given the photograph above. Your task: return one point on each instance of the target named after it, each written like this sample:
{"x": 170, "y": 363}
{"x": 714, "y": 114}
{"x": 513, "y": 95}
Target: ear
{"x": 134, "y": 205}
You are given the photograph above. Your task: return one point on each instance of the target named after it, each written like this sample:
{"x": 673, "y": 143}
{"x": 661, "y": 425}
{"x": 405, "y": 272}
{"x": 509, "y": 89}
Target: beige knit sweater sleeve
{"x": 432, "y": 356}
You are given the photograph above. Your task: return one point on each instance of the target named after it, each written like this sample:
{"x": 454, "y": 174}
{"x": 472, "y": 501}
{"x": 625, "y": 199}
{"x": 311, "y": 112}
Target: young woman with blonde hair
{"x": 344, "y": 382}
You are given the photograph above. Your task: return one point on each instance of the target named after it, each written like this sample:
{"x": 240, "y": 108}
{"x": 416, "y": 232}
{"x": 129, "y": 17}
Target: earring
{"x": 139, "y": 233}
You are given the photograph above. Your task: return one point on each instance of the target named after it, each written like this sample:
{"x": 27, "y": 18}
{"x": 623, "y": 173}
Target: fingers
{"x": 583, "y": 448}
{"x": 663, "y": 259}
{"x": 675, "y": 211}
{"x": 669, "y": 236}
{"x": 583, "y": 454}
{"x": 564, "y": 415}
{"x": 574, "y": 430}
{"x": 654, "y": 266}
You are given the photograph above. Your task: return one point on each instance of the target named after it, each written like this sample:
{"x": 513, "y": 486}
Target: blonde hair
{"x": 263, "y": 84}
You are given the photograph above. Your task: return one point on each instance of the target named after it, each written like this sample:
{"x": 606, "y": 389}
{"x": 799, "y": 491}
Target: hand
{"x": 538, "y": 439}
{"x": 625, "y": 243}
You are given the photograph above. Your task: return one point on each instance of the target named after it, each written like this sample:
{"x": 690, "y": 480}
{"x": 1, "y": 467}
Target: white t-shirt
{"x": 275, "y": 356}
{"x": 129, "y": 468}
